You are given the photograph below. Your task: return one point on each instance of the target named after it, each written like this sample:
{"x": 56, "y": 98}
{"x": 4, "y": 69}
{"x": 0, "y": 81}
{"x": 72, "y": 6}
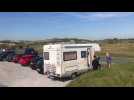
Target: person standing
{"x": 108, "y": 60}
{"x": 95, "y": 63}
{"x": 99, "y": 65}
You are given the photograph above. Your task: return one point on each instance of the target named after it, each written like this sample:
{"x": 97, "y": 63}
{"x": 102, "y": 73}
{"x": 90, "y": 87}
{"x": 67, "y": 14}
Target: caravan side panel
{"x": 77, "y": 65}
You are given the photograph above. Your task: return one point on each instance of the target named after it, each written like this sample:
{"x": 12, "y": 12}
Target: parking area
{"x": 15, "y": 75}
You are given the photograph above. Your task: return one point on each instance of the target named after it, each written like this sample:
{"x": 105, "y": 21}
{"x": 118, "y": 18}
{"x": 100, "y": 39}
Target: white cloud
{"x": 99, "y": 15}
{"x": 111, "y": 15}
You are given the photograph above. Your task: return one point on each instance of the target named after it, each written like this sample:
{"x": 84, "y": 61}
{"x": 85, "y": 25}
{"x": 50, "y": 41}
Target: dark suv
{"x": 37, "y": 64}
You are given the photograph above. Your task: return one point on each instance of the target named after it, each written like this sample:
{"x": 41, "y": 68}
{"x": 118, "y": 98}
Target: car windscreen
{"x": 20, "y": 51}
{"x": 41, "y": 55}
{"x": 29, "y": 51}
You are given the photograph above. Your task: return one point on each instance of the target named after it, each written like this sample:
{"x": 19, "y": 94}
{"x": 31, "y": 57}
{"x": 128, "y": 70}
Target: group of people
{"x": 96, "y": 62}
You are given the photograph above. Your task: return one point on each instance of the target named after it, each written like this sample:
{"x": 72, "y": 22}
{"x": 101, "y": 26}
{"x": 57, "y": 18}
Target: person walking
{"x": 108, "y": 60}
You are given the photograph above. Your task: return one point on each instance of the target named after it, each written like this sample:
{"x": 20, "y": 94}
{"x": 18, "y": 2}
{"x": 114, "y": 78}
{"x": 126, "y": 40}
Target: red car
{"x": 26, "y": 59}
{"x": 18, "y": 54}
{"x": 16, "y": 58}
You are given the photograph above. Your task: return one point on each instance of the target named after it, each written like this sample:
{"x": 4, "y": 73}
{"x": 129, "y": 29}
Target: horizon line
{"x": 62, "y": 38}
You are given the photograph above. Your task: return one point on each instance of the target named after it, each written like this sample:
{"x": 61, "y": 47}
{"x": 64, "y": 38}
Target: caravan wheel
{"x": 73, "y": 76}
{"x": 48, "y": 76}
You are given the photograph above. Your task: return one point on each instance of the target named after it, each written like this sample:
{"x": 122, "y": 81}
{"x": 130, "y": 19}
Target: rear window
{"x": 46, "y": 55}
{"x": 67, "y": 56}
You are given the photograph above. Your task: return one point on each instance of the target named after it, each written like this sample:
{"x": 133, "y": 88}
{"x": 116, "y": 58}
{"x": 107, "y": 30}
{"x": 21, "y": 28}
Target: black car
{"x": 10, "y": 56}
{"x": 7, "y": 55}
{"x": 1, "y": 52}
{"x": 34, "y": 62}
{"x": 3, "y": 56}
{"x": 40, "y": 64}
{"x": 37, "y": 64}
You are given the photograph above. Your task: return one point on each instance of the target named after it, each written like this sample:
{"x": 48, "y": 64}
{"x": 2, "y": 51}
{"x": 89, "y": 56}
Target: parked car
{"x": 18, "y": 55}
{"x": 16, "y": 58}
{"x": 40, "y": 66}
{"x": 4, "y": 56}
{"x": 37, "y": 64}
{"x": 34, "y": 62}
{"x": 1, "y": 51}
{"x": 27, "y": 57}
{"x": 10, "y": 56}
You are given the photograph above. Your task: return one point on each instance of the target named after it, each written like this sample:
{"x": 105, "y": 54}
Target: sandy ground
{"x": 14, "y": 75}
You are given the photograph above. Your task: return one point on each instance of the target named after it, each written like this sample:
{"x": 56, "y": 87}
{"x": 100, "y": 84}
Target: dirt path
{"x": 14, "y": 75}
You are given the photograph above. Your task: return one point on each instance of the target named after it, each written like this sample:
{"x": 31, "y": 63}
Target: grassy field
{"x": 118, "y": 49}
{"x": 120, "y": 74}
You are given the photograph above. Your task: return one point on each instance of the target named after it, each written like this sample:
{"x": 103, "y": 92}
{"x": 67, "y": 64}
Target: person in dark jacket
{"x": 95, "y": 63}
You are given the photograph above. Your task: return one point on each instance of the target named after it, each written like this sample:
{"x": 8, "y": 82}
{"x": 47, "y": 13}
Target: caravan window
{"x": 46, "y": 55}
{"x": 83, "y": 54}
{"x": 69, "y": 56}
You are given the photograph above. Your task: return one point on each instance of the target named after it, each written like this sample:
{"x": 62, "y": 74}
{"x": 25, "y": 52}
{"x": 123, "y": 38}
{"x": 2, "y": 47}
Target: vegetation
{"x": 106, "y": 44}
{"x": 118, "y": 49}
{"x": 121, "y": 72}
{"x": 118, "y": 75}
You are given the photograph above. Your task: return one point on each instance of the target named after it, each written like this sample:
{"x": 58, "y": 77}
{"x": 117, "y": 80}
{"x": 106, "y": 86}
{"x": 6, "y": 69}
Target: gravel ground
{"x": 14, "y": 75}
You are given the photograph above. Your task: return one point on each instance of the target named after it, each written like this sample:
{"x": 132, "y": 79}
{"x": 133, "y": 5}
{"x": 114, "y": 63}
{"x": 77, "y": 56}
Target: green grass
{"x": 118, "y": 49}
{"x": 118, "y": 75}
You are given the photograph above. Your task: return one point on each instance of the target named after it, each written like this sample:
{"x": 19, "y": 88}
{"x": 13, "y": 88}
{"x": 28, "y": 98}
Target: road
{"x": 14, "y": 75}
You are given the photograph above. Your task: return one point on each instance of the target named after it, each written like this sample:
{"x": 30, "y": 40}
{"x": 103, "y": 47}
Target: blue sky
{"x": 88, "y": 25}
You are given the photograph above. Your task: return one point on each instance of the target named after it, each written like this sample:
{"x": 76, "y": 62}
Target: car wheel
{"x": 48, "y": 76}
{"x": 33, "y": 68}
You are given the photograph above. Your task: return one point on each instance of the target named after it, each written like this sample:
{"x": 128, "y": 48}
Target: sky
{"x": 86, "y": 25}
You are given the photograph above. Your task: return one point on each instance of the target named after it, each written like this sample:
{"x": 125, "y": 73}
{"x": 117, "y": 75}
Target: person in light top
{"x": 108, "y": 60}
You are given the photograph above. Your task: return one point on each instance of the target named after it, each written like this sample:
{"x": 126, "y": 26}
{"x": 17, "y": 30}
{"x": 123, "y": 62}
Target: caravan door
{"x": 89, "y": 57}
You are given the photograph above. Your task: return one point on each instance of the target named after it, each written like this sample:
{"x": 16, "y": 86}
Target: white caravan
{"x": 65, "y": 60}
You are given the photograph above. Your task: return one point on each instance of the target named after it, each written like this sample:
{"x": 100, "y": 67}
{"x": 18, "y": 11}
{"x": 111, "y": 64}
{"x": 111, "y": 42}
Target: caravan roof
{"x": 56, "y": 46}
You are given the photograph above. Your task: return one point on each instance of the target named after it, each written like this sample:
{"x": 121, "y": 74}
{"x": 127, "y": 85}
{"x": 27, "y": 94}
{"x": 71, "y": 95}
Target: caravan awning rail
{"x": 77, "y": 46}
